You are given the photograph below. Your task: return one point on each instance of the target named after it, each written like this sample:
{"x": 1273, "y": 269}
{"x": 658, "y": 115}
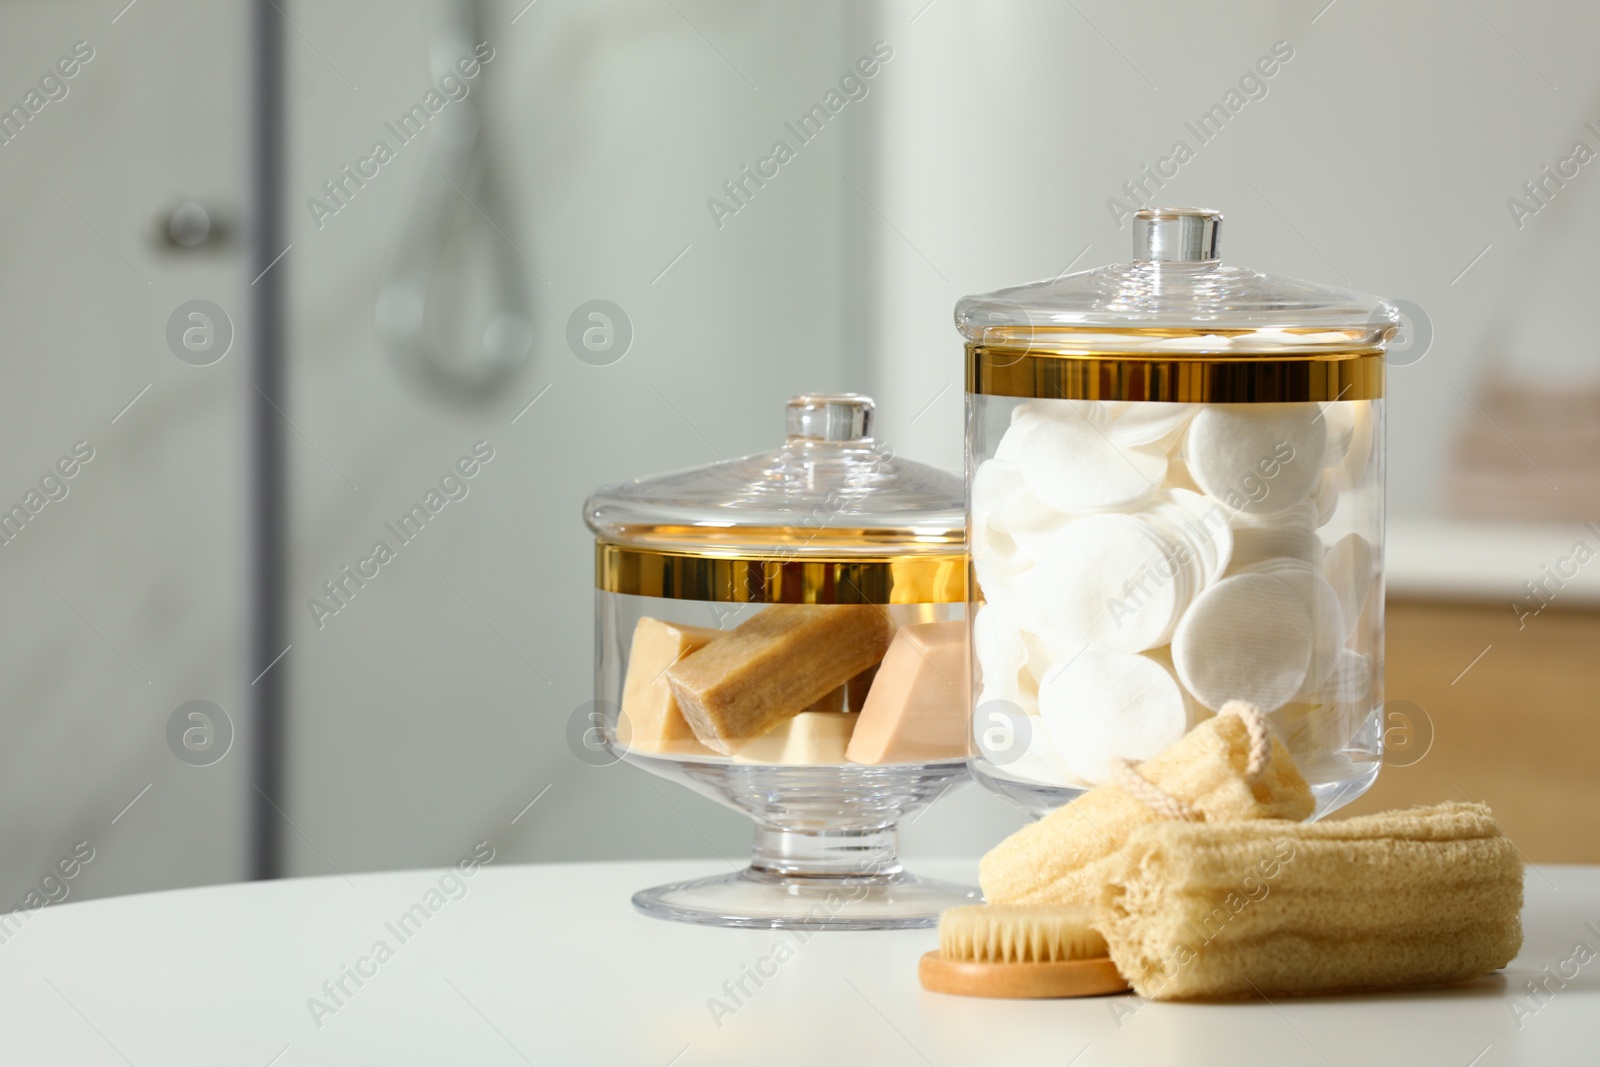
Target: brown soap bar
{"x": 832, "y": 700}
{"x": 650, "y": 720}
{"x": 774, "y": 666}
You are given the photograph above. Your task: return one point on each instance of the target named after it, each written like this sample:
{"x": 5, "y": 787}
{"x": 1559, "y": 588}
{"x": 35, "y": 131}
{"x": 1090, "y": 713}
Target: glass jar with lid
{"x": 1175, "y": 471}
{"x": 786, "y": 633}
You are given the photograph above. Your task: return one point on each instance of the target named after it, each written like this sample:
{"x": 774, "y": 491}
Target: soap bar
{"x": 651, "y": 721}
{"x": 917, "y": 708}
{"x": 773, "y": 666}
{"x": 810, "y": 737}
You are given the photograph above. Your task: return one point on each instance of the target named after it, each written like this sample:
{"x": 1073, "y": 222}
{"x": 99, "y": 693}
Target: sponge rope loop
{"x": 1164, "y": 804}
{"x": 1152, "y": 796}
{"x": 1255, "y": 725}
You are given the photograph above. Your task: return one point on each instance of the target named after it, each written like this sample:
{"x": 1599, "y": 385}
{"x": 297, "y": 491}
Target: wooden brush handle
{"x": 1066, "y": 978}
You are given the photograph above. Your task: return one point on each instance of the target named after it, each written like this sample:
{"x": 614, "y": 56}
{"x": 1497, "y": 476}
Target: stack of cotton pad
{"x": 1142, "y": 563}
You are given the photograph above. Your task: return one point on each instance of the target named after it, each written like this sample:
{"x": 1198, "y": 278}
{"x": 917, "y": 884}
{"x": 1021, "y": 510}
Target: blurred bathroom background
{"x": 417, "y": 302}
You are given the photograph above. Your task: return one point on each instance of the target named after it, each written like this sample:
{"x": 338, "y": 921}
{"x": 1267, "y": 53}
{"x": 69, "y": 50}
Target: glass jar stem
{"x": 785, "y": 853}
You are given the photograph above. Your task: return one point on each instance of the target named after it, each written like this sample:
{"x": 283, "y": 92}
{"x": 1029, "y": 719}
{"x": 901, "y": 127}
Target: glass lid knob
{"x": 829, "y": 417}
{"x": 1176, "y": 234}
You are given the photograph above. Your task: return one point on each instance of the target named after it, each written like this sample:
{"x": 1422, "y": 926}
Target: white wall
{"x": 1381, "y": 158}
{"x": 125, "y": 598}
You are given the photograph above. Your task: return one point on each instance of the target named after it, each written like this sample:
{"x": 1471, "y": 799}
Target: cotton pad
{"x": 1102, "y": 584}
{"x": 1024, "y": 751}
{"x": 1290, "y": 533}
{"x": 1105, "y": 704}
{"x": 1326, "y": 498}
{"x": 993, "y": 548}
{"x": 1192, "y": 707}
{"x": 1340, "y": 419}
{"x": 1027, "y": 417}
{"x": 1178, "y": 476}
{"x": 988, "y": 541}
{"x": 1151, "y": 422}
{"x": 1302, "y": 514}
{"x": 1076, "y": 467}
{"x": 1045, "y": 648}
{"x": 1328, "y": 629}
{"x": 1253, "y": 545}
{"x": 1033, "y": 761}
{"x": 994, "y": 551}
{"x": 1257, "y": 458}
{"x": 1072, "y": 465}
{"x": 1010, "y": 447}
{"x": 997, "y": 646}
{"x": 1025, "y": 702}
{"x": 1245, "y": 638}
{"x": 1348, "y": 569}
{"x": 1100, "y": 412}
{"x": 1348, "y": 472}
{"x": 994, "y": 485}
{"x": 1185, "y": 561}
{"x": 1205, "y": 526}
{"x": 1000, "y": 573}
{"x": 1317, "y": 728}
{"x": 1033, "y": 524}
{"x": 1351, "y": 683}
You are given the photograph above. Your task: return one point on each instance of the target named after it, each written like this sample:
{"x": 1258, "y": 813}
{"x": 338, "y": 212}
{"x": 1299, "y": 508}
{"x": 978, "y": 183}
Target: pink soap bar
{"x": 917, "y": 708}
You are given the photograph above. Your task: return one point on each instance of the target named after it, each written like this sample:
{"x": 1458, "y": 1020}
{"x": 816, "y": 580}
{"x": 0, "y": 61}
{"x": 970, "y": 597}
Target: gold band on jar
{"x": 926, "y": 579}
{"x": 1201, "y": 378}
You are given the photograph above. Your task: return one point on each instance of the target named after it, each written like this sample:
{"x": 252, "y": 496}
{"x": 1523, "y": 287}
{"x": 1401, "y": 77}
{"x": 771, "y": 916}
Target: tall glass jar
{"x": 786, "y": 634}
{"x": 1175, "y": 472}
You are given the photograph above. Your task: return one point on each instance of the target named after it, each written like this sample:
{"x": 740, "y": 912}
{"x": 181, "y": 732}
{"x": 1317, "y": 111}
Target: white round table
{"x": 549, "y": 964}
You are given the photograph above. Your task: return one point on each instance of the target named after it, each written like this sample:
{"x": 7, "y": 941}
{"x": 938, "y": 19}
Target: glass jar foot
{"x": 755, "y": 899}
{"x": 821, "y": 878}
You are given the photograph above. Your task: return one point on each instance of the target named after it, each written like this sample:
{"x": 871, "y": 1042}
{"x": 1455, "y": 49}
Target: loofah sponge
{"x": 1220, "y": 771}
{"x": 1402, "y": 898}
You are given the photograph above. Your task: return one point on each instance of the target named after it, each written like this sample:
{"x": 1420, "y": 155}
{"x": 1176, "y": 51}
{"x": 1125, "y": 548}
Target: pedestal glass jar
{"x": 1175, "y": 471}
{"x": 786, "y": 634}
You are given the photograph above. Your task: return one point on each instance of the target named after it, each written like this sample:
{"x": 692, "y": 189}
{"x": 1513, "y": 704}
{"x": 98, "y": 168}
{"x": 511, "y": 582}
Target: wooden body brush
{"x": 1019, "y": 951}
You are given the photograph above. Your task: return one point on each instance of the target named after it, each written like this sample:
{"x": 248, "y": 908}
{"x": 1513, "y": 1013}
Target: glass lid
{"x": 831, "y": 491}
{"x": 1176, "y": 296}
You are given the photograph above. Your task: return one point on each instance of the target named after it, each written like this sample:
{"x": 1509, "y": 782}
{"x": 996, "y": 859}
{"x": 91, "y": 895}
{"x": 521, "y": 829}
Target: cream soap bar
{"x": 808, "y": 738}
{"x": 651, "y": 721}
{"x": 774, "y": 666}
{"x": 917, "y": 707}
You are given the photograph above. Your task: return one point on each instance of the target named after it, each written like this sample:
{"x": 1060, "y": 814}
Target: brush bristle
{"x": 997, "y": 933}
